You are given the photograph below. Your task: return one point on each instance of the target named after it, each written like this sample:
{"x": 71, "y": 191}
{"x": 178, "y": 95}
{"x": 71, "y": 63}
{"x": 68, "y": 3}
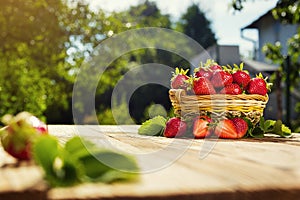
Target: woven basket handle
{"x": 177, "y": 94}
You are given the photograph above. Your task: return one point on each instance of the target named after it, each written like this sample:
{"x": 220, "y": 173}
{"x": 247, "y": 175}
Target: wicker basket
{"x": 219, "y": 105}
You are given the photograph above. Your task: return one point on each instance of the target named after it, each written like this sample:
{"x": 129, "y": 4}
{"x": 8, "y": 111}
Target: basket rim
{"x": 181, "y": 93}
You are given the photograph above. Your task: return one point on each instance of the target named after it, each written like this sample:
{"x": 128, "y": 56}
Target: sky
{"x": 225, "y": 24}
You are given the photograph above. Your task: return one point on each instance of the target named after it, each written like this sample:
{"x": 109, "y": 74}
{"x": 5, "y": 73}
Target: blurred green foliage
{"x": 45, "y": 42}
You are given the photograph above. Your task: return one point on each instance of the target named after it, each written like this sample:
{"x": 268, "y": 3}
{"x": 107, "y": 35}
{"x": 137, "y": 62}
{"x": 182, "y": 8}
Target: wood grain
{"x": 267, "y": 168}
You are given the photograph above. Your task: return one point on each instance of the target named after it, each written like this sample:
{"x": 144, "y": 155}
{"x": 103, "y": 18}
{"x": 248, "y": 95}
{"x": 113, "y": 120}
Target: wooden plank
{"x": 232, "y": 165}
{"x": 20, "y": 180}
{"x": 232, "y": 169}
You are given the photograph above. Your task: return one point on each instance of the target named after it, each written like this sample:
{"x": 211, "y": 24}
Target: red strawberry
{"x": 200, "y": 127}
{"x": 24, "y": 153}
{"x": 40, "y": 126}
{"x": 221, "y": 78}
{"x": 241, "y": 126}
{"x": 226, "y": 129}
{"x": 207, "y": 69}
{"x": 19, "y": 134}
{"x": 175, "y": 127}
{"x": 215, "y": 67}
{"x": 202, "y": 86}
{"x": 203, "y": 72}
{"x": 179, "y": 79}
{"x": 258, "y": 85}
{"x": 231, "y": 89}
{"x": 241, "y": 78}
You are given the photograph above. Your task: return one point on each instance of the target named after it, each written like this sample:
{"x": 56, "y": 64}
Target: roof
{"x": 255, "y": 22}
{"x": 260, "y": 66}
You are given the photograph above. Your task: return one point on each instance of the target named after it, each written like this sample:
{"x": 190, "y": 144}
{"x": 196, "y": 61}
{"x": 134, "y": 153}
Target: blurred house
{"x": 271, "y": 31}
{"x": 222, "y": 54}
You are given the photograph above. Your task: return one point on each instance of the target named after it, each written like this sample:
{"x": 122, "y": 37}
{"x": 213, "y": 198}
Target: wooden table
{"x": 266, "y": 168}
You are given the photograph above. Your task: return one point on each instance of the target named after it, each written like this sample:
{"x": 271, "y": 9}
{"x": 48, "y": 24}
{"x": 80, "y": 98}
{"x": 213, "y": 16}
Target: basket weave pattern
{"x": 220, "y": 105}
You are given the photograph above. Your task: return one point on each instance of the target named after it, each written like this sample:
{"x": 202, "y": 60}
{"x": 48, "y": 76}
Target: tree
{"x": 145, "y": 14}
{"x": 45, "y": 42}
{"x": 32, "y": 52}
{"x": 195, "y": 24}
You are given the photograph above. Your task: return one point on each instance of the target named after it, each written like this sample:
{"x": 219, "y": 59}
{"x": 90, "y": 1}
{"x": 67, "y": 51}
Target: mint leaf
{"x": 153, "y": 127}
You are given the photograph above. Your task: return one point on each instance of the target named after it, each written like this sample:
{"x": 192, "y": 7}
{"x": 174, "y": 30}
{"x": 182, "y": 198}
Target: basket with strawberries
{"x": 219, "y": 93}
{"x": 216, "y": 101}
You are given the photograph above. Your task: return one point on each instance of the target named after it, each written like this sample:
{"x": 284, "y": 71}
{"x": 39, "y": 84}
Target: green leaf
{"x": 101, "y": 165}
{"x": 78, "y": 147}
{"x": 108, "y": 166}
{"x": 277, "y": 127}
{"x": 68, "y": 172}
{"x": 60, "y": 168}
{"x": 153, "y": 127}
{"x": 114, "y": 175}
{"x": 269, "y": 124}
{"x": 286, "y": 131}
{"x": 273, "y": 127}
{"x": 81, "y": 161}
{"x": 257, "y": 132}
{"x": 250, "y": 127}
{"x": 41, "y": 153}
{"x": 262, "y": 123}
{"x": 281, "y": 129}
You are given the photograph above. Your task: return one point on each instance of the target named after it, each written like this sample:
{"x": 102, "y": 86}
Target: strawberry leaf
{"x": 153, "y": 127}
{"x": 280, "y": 129}
{"x": 77, "y": 147}
{"x": 107, "y": 166}
{"x": 270, "y": 127}
{"x": 257, "y": 132}
{"x": 250, "y": 127}
{"x": 60, "y": 167}
{"x": 262, "y": 123}
{"x": 286, "y": 131}
{"x": 101, "y": 165}
{"x": 81, "y": 161}
{"x": 277, "y": 128}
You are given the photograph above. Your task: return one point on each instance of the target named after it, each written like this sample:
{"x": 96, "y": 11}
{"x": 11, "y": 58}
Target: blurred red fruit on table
{"x": 19, "y": 134}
